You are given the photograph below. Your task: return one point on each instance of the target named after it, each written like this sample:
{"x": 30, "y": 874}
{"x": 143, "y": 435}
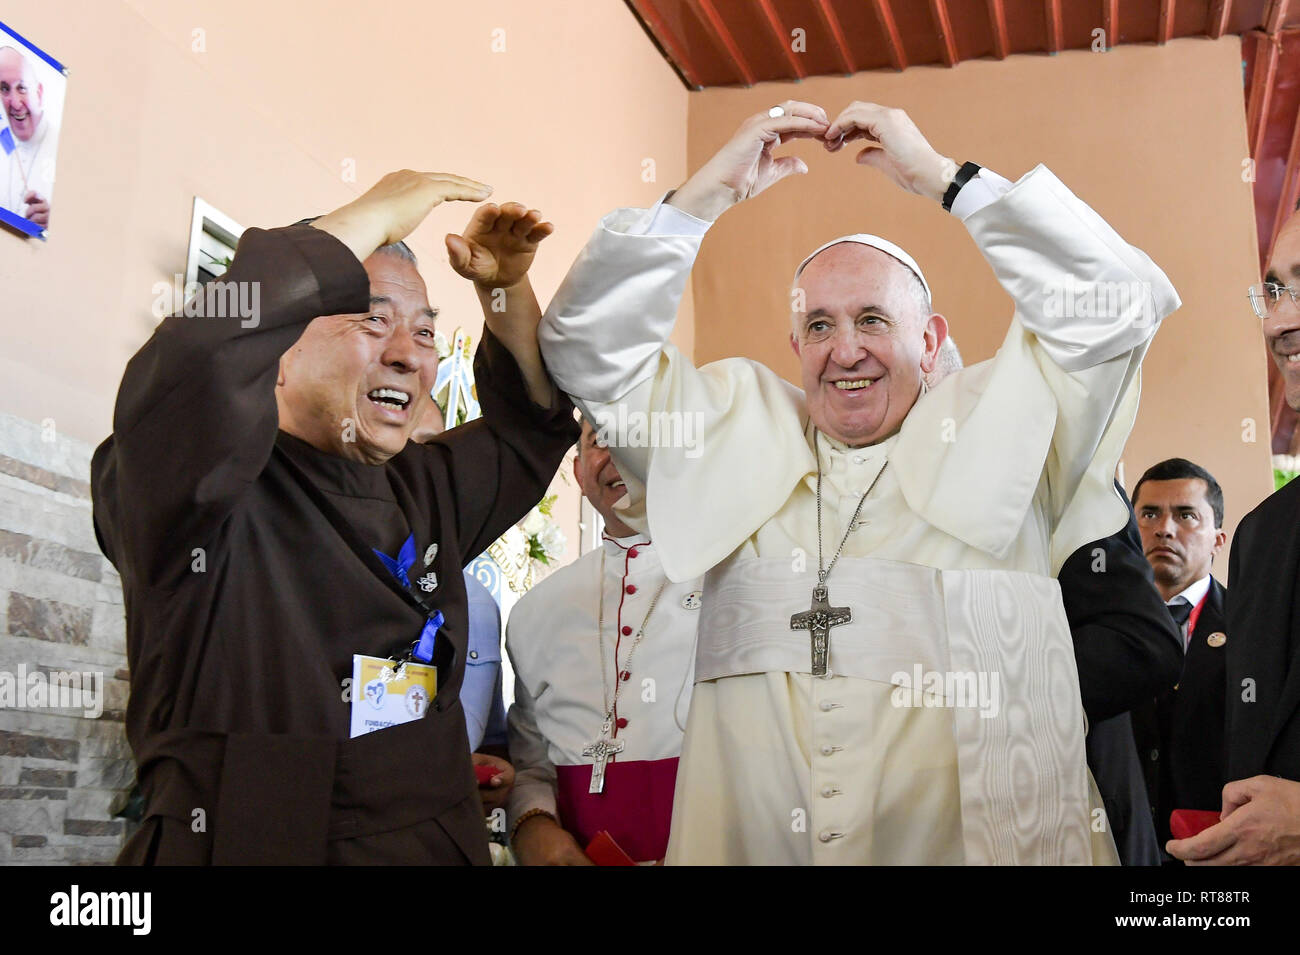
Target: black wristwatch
{"x": 964, "y": 175}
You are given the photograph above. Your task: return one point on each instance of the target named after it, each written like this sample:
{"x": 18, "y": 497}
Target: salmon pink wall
{"x": 265, "y": 108}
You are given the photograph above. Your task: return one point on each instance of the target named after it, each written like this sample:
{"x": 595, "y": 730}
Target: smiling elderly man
{"x": 275, "y": 529}
{"x": 861, "y": 527}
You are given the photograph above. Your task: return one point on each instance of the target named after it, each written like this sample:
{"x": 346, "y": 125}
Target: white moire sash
{"x": 1022, "y": 772}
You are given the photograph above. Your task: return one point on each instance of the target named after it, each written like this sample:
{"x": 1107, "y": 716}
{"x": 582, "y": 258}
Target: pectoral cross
{"x": 600, "y": 752}
{"x": 818, "y": 620}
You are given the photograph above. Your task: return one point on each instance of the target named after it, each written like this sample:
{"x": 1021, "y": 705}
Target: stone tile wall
{"x": 61, "y": 768}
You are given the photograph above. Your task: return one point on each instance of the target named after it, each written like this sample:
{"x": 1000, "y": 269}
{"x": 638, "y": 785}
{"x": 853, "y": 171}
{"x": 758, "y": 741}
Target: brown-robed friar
{"x": 256, "y": 472}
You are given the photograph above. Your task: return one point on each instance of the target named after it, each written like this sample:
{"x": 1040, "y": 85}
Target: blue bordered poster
{"x": 33, "y": 85}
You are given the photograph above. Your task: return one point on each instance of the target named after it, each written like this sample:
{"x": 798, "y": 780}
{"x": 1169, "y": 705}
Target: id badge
{"x": 382, "y": 698}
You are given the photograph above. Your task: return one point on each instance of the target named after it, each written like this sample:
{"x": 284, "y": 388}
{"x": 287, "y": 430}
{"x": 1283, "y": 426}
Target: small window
{"x": 213, "y": 237}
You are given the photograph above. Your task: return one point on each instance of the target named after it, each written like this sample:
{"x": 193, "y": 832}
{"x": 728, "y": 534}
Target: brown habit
{"x": 237, "y": 701}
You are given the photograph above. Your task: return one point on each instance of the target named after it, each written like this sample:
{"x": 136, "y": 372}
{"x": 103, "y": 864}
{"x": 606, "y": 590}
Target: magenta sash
{"x": 635, "y": 808}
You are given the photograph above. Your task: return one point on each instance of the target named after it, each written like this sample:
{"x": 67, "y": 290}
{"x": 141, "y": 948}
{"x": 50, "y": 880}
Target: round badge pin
{"x": 692, "y": 600}
{"x": 1217, "y": 639}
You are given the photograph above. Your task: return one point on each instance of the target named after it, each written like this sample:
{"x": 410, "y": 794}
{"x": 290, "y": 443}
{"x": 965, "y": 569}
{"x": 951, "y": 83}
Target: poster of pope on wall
{"x": 32, "y": 88}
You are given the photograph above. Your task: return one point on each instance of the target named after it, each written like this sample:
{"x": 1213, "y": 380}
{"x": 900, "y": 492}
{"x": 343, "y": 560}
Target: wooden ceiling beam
{"x": 885, "y": 17}
{"x": 998, "y": 27}
{"x": 947, "y": 41}
{"x": 722, "y": 36}
{"x": 1165, "y": 25}
{"x": 1290, "y": 188}
{"x": 782, "y": 38}
{"x": 1261, "y": 88}
{"x": 648, "y": 11}
{"x": 832, "y": 23}
{"x": 1217, "y": 21}
{"x": 1110, "y": 22}
{"x": 1275, "y": 17}
{"x": 1055, "y": 31}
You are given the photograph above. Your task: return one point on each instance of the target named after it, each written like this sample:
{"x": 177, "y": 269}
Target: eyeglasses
{"x": 1265, "y": 296}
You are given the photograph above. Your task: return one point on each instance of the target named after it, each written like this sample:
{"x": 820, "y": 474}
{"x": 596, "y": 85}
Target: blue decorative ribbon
{"x": 405, "y": 558}
{"x": 423, "y": 650}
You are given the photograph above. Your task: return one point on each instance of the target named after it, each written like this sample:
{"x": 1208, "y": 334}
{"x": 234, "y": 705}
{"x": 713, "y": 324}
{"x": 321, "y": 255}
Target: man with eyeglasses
{"x": 1260, "y": 819}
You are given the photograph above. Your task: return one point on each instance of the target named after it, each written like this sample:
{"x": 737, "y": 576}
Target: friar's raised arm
{"x": 196, "y": 415}
{"x": 196, "y": 418}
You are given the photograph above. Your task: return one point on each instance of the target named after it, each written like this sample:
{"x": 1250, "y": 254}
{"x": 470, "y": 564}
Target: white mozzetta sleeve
{"x": 1059, "y": 399}
{"x": 1079, "y": 288}
{"x": 605, "y": 342}
{"x": 610, "y": 318}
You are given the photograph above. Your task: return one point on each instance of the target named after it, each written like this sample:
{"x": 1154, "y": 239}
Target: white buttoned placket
{"x": 849, "y": 472}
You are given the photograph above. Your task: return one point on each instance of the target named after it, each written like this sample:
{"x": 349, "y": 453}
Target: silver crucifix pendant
{"x": 818, "y": 620}
{"x": 600, "y": 752}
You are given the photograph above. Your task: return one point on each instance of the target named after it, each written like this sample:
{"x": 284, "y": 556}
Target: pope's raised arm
{"x": 1062, "y": 388}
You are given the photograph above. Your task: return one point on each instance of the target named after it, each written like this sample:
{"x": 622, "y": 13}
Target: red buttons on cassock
{"x": 622, "y": 722}
{"x": 627, "y": 631}
{"x": 632, "y": 552}
{"x": 631, "y": 588}
{"x": 625, "y": 675}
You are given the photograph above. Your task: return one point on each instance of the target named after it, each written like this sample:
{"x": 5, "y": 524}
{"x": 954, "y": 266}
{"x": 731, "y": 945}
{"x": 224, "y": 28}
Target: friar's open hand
{"x": 497, "y": 247}
{"x": 390, "y": 210}
{"x": 894, "y": 146}
{"x": 1260, "y": 825}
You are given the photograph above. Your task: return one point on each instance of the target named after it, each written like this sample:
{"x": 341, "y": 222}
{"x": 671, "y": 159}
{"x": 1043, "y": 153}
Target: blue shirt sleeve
{"x": 480, "y": 693}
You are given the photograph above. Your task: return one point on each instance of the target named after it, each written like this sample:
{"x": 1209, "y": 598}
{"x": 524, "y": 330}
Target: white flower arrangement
{"x": 546, "y": 542}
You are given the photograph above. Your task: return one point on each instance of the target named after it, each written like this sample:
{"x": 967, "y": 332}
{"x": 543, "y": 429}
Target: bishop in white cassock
{"x": 953, "y": 509}
{"x": 603, "y": 652}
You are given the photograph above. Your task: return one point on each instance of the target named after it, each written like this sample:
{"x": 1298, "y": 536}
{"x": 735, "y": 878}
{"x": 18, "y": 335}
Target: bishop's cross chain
{"x": 600, "y": 751}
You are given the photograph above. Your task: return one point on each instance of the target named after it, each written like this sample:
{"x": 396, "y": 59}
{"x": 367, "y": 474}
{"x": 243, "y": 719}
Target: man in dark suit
{"x": 1128, "y": 651}
{"x": 1179, "y": 734}
{"x": 1261, "y": 804}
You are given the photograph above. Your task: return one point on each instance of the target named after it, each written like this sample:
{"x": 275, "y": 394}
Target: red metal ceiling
{"x": 729, "y": 42}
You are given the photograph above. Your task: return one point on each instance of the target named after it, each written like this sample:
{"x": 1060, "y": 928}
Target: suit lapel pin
{"x": 428, "y": 582}
{"x": 1216, "y": 639}
{"x": 430, "y": 554}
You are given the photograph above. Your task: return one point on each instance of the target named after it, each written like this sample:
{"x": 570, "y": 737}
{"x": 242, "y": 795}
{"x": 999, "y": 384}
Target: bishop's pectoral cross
{"x": 600, "y": 752}
{"x": 818, "y": 620}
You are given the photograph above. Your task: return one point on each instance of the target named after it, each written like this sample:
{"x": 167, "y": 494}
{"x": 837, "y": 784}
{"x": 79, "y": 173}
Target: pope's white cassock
{"x": 561, "y": 693}
{"x": 996, "y": 477}
{"x": 30, "y": 167}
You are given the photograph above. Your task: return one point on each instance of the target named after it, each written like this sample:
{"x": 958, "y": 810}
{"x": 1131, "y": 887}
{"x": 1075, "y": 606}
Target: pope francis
{"x": 884, "y": 669}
